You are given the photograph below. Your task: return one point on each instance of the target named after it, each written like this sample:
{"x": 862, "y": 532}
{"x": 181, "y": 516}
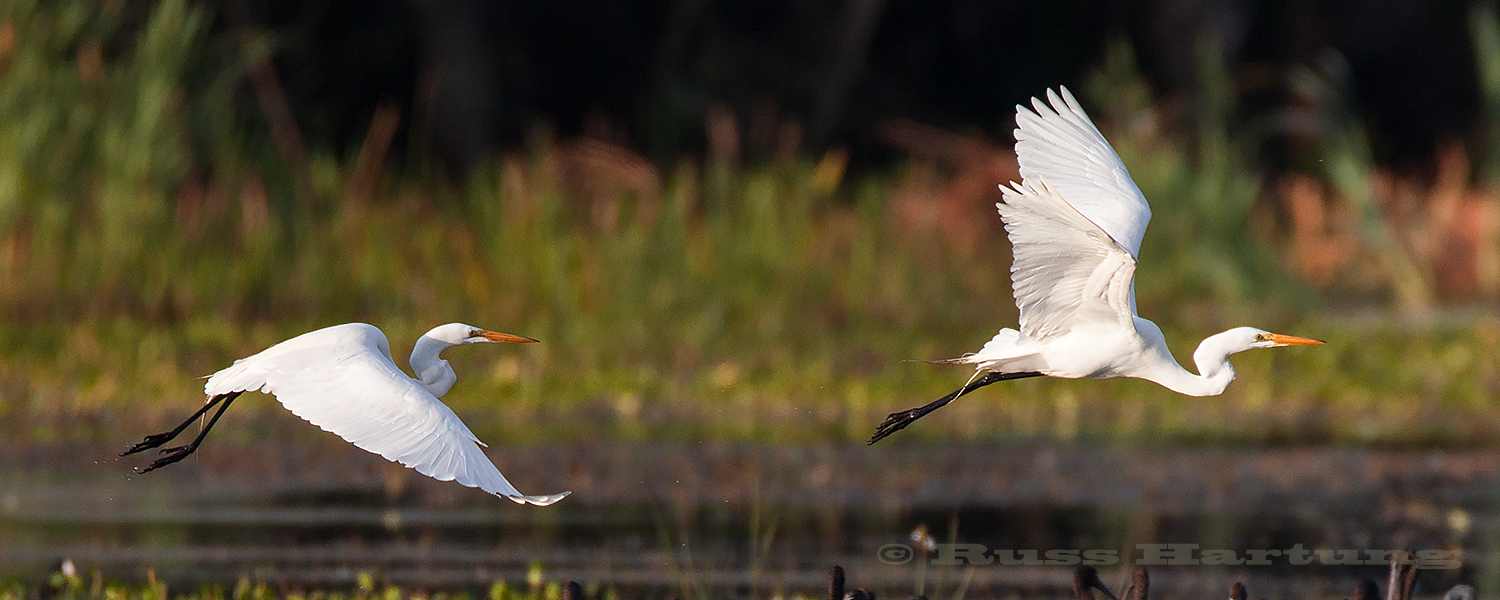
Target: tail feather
{"x": 942, "y": 361}
{"x": 1007, "y": 343}
{"x": 1007, "y": 351}
{"x": 240, "y": 376}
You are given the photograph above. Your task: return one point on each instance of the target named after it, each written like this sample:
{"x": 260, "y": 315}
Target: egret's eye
{"x": 474, "y": 333}
{"x": 1261, "y": 337}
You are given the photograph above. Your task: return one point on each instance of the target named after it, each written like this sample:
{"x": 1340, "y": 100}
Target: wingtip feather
{"x": 1040, "y": 108}
{"x": 1054, "y": 100}
{"x": 1068, "y": 98}
{"x": 545, "y": 500}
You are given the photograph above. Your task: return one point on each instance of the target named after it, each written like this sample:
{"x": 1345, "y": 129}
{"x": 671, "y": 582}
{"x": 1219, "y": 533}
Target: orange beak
{"x": 1292, "y": 340}
{"x": 497, "y": 337}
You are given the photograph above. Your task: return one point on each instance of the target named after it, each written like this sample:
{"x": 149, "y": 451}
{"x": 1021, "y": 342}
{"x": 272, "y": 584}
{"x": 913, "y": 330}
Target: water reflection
{"x": 746, "y": 518}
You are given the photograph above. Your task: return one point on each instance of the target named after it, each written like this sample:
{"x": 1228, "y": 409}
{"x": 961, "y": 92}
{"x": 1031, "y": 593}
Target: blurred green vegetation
{"x": 150, "y": 234}
{"x": 69, "y": 584}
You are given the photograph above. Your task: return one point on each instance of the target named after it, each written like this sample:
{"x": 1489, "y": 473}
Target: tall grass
{"x": 1201, "y": 185}
{"x": 148, "y": 236}
{"x": 69, "y": 584}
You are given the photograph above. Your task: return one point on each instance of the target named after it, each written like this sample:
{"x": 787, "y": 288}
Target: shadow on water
{"x": 751, "y": 519}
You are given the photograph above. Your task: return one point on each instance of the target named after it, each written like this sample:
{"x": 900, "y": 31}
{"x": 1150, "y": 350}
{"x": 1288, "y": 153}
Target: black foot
{"x": 150, "y": 442}
{"x": 171, "y": 455}
{"x": 896, "y": 422}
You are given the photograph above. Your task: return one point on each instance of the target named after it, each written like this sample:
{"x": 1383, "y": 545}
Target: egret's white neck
{"x": 1212, "y": 359}
{"x": 434, "y": 373}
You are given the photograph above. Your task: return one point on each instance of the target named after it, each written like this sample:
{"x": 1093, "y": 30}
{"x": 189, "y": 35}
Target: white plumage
{"x": 1075, "y": 224}
{"x": 1067, "y": 271}
{"x": 1061, "y": 143}
{"x": 343, "y": 379}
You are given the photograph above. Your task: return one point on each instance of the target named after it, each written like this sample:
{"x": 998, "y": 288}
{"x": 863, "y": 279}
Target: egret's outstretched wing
{"x": 342, "y": 379}
{"x": 1062, "y": 143}
{"x": 1067, "y": 272}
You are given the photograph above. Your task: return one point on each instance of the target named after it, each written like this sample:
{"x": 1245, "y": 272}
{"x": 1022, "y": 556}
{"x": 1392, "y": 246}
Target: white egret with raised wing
{"x": 1075, "y": 224}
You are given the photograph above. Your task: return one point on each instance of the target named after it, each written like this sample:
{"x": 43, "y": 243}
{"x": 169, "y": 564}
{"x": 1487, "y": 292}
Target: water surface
{"x": 744, "y": 519}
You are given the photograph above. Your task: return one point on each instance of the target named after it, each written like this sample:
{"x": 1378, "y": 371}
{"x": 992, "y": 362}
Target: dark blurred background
{"x": 476, "y": 76}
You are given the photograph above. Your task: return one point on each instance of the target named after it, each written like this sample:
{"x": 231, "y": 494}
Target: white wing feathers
{"x": 1062, "y": 143}
{"x": 1067, "y": 272}
{"x": 342, "y": 379}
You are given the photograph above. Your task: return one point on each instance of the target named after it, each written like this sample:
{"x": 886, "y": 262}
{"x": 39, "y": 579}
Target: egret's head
{"x": 1212, "y": 356}
{"x": 459, "y": 334}
{"x": 1248, "y": 338}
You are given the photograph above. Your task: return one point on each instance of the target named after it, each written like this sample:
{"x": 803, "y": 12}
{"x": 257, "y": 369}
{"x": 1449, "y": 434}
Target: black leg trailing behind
{"x": 899, "y": 420}
{"x": 180, "y": 452}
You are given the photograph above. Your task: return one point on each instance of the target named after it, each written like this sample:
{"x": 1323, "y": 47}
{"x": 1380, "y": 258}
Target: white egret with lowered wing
{"x": 1075, "y": 223}
{"x": 343, "y": 379}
